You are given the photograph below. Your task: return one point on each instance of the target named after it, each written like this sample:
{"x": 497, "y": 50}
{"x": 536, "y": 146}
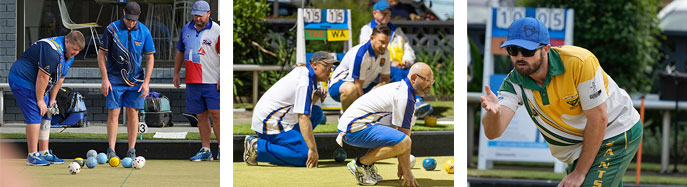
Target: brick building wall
{"x": 95, "y": 101}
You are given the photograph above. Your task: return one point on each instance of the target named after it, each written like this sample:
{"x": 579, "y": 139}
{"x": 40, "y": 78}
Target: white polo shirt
{"x": 392, "y": 104}
{"x": 399, "y": 44}
{"x": 362, "y": 64}
{"x": 277, "y": 110}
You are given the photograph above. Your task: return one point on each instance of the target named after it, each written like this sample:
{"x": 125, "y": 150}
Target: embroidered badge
{"x": 573, "y": 101}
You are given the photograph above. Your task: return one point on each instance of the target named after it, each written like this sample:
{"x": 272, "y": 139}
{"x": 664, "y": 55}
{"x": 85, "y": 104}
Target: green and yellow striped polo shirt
{"x": 575, "y": 82}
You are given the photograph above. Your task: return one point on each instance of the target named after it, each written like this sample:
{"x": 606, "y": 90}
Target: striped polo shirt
{"x": 575, "y": 82}
{"x": 361, "y": 63}
{"x": 391, "y": 104}
{"x": 277, "y": 110}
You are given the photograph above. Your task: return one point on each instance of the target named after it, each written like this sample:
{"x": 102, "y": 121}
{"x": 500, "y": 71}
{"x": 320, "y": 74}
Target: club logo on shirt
{"x": 573, "y": 101}
{"x": 187, "y": 35}
{"x": 138, "y": 43}
{"x": 381, "y": 62}
{"x": 207, "y": 42}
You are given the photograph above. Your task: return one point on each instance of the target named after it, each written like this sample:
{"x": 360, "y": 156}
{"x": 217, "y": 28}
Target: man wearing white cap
{"x": 198, "y": 48}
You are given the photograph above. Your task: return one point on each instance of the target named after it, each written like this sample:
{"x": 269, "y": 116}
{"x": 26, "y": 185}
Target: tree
{"x": 623, "y": 34}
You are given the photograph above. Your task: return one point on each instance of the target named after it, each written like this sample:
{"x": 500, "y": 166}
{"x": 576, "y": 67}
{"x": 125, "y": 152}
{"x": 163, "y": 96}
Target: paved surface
{"x": 101, "y": 128}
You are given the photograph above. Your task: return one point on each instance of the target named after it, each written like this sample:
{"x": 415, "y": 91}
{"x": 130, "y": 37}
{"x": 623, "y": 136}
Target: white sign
{"x": 335, "y": 15}
{"x": 553, "y": 18}
{"x": 312, "y": 15}
{"x": 506, "y": 16}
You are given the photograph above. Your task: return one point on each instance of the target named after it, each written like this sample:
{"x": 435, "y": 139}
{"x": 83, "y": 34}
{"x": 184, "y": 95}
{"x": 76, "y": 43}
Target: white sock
{"x": 43, "y": 152}
{"x": 34, "y": 153}
{"x": 206, "y": 148}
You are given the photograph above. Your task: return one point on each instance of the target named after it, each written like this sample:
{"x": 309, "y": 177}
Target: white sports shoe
{"x": 250, "y": 152}
{"x": 375, "y": 175}
{"x": 362, "y": 174}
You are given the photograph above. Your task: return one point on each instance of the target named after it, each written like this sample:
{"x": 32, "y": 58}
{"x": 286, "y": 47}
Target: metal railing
{"x": 4, "y": 86}
{"x": 663, "y": 105}
{"x": 256, "y": 69}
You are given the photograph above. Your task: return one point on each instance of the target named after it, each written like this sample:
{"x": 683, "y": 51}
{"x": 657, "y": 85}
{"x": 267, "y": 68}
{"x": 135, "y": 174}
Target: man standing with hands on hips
{"x": 198, "y": 47}
{"x": 122, "y": 48}
{"x": 587, "y": 121}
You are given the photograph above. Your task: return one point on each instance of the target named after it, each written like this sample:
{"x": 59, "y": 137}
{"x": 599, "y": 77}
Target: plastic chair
{"x": 69, "y": 24}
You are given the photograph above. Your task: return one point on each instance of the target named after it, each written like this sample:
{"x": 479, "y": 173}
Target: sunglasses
{"x": 513, "y": 51}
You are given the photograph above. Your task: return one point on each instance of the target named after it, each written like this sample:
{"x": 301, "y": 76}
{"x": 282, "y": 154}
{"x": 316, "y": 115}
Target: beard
{"x": 201, "y": 24}
{"x": 531, "y": 68}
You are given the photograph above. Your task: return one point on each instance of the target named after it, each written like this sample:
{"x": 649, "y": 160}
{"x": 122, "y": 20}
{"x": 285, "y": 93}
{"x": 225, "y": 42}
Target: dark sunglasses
{"x": 513, "y": 51}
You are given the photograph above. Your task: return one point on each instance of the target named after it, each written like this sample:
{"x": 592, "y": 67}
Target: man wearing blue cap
{"x": 587, "y": 121}
{"x": 401, "y": 53}
{"x": 284, "y": 117}
{"x": 122, "y": 47}
{"x": 198, "y": 47}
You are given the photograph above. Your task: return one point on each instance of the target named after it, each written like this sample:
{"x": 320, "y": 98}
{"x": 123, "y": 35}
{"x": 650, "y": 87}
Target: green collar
{"x": 555, "y": 68}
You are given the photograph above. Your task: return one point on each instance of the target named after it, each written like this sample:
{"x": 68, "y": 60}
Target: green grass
{"x": 120, "y": 136}
{"x": 155, "y": 173}
{"x": 331, "y": 173}
{"x": 544, "y": 171}
{"x": 441, "y": 109}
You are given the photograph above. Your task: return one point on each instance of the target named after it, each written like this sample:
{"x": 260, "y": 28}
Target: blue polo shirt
{"x": 125, "y": 50}
{"x": 45, "y": 55}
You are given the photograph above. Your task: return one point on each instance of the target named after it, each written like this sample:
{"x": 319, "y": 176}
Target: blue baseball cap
{"x": 381, "y": 5}
{"x": 200, "y": 8}
{"x": 527, "y": 33}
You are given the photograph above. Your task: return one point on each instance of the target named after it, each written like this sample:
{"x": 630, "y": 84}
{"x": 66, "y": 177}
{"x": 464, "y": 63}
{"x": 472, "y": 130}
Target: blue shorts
{"x": 201, "y": 97}
{"x": 124, "y": 96}
{"x": 374, "y": 136}
{"x": 26, "y": 99}
{"x": 336, "y": 95}
{"x": 287, "y": 148}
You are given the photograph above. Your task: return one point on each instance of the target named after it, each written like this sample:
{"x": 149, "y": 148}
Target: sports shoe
{"x": 35, "y": 159}
{"x": 250, "y": 152}
{"x": 422, "y": 109}
{"x": 131, "y": 153}
{"x": 374, "y": 174}
{"x": 203, "y": 155}
{"x": 217, "y": 153}
{"x": 362, "y": 174}
{"x": 52, "y": 158}
{"x": 110, "y": 153}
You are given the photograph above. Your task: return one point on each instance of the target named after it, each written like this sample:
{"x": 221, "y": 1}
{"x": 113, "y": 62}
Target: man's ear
{"x": 546, "y": 48}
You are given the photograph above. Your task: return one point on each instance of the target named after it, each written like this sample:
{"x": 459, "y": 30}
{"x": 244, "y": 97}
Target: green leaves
{"x": 623, "y": 34}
